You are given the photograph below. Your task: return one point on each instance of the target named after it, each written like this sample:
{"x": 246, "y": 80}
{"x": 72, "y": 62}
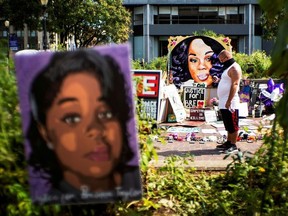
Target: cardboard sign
{"x": 175, "y": 102}
{"x": 210, "y": 115}
{"x": 147, "y": 89}
{"x": 243, "y": 110}
{"x": 197, "y": 114}
{"x": 79, "y": 125}
{"x": 194, "y": 96}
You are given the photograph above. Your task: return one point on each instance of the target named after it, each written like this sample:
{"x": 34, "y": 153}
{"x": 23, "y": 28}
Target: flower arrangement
{"x": 214, "y": 101}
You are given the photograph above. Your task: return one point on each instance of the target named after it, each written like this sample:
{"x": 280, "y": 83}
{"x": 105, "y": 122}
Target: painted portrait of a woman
{"x": 192, "y": 59}
{"x": 81, "y": 131}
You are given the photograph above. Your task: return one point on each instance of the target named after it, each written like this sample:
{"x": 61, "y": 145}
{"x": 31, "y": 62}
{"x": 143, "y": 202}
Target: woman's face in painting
{"x": 199, "y": 62}
{"x": 82, "y": 130}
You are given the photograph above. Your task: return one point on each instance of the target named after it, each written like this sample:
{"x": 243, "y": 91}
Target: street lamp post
{"x": 44, "y": 5}
{"x": 7, "y": 24}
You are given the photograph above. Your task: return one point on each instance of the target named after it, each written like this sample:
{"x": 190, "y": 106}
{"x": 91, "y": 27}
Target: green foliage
{"x": 258, "y": 61}
{"x": 147, "y": 131}
{"x": 274, "y": 15}
{"x": 13, "y": 176}
{"x": 270, "y": 25}
{"x": 243, "y": 60}
{"x": 207, "y": 33}
{"x": 16, "y": 12}
{"x": 159, "y": 63}
{"x": 137, "y": 64}
{"x": 91, "y": 22}
{"x": 279, "y": 9}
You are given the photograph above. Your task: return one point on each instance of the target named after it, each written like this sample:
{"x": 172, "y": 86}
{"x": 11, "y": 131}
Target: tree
{"x": 271, "y": 25}
{"x": 91, "y": 22}
{"x": 19, "y": 12}
{"x": 279, "y": 54}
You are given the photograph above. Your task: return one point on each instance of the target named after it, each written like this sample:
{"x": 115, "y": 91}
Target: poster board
{"x": 194, "y": 96}
{"x": 147, "y": 87}
{"x": 197, "y": 114}
{"x": 172, "y": 100}
{"x": 210, "y": 115}
{"x": 78, "y": 119}
{"x": 243, "y": 109}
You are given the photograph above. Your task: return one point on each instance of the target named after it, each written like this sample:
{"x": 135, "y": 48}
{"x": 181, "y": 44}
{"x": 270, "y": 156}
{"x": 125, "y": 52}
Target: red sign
{"x": 147, "y": 84}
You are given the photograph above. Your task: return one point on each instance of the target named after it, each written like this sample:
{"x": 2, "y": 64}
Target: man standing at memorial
{"x": 229, "y": 100}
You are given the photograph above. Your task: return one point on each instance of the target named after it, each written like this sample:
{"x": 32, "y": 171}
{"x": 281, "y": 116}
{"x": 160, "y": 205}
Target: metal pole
{"x": 7, "y": 25}
{"x": 44, "y": 29}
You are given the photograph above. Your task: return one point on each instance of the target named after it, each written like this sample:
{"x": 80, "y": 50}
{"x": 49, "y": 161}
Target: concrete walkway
{"x": 206, "y": 156}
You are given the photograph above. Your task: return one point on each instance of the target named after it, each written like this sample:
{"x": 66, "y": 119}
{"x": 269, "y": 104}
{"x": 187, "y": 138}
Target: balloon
{"x": 270, "y": 85}
{"x": 272, "y": 94}
{"x": 280, "y": 86}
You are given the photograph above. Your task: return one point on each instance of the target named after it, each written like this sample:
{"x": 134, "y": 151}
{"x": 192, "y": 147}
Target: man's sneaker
{"x": 225, "y": 145}
{"x": 232, "y": 149}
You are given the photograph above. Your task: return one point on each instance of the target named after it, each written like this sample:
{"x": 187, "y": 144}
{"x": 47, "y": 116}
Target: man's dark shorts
{"x": 230, "y": 120}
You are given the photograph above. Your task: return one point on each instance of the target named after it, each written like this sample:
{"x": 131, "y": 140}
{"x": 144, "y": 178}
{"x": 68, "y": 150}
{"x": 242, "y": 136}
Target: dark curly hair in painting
{"x": 45, "y": 88}
{"x": 179, "y": 58}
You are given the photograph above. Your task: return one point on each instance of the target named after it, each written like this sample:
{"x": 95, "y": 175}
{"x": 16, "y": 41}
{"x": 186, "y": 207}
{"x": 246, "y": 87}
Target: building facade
{"x": 154, "y": 21}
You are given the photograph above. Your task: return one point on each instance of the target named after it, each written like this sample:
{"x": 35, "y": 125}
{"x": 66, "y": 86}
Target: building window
{"x": 138, "y": 16}
{"x": 208, "y": 15}
{"x": 188, "y": 15}
{"x": 138, "y": 19}
{"x": 32, "y": 33}
{"x": 5, "y": 34}
{"x": 163, "y": 16}
{"x": 199, "y": 15}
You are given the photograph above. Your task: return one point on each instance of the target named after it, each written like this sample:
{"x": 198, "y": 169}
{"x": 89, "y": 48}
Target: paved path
{"x": 206, "y": 156}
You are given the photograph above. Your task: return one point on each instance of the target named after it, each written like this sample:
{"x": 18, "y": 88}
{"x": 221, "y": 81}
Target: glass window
{"x": 164, "y": 10}
{"x": 231, "y": 10}
{"x": 138, "y": 19}
{"x": 164, "y": 19}
{"x": 174, "y": 11}
{"x": 138, "y": 47}
{"x": 221, "y": 11}
{"x": 33, "y": 33}
{"x": 206, "y": 9}
{"x": 138, "y": 10}
{"x": 188, "y": 15}
{"x": 19, "y": 33}
{"x": 138, "y": 16}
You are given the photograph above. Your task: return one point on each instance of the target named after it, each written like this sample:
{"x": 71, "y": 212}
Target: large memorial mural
{"x": 193, "y": 59}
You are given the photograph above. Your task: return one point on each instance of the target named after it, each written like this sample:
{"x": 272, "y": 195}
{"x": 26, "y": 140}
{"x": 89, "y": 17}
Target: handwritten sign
{"x": 197, "y": 114}
{"x": 194, "y": 96}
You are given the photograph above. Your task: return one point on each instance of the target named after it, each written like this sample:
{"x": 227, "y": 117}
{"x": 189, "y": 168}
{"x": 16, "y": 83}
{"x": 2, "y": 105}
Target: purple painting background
{"x": 28, "y": 65}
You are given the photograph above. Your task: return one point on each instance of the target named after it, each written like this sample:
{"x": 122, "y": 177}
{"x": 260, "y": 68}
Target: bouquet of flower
{"x": 214, "y": 101}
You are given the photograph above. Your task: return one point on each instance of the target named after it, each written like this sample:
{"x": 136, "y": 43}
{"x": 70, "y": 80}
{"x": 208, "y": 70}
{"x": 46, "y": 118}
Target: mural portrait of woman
{"x": 195, "y": 59}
